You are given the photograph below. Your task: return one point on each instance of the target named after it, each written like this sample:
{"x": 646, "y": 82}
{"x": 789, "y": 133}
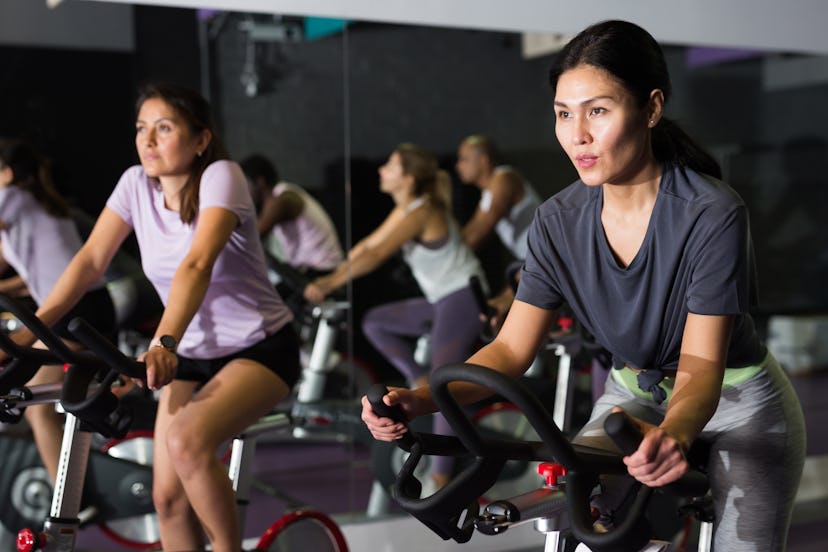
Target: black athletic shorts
{"x": 278, "y": 352}
{"x": 97, "y": 309}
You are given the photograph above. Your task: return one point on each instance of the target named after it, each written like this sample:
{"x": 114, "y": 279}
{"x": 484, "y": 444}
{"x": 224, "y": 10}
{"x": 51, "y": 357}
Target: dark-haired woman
{"x": 237, "y": 354}
{"x": 421, "y": 225}
{"x": 653, "y": 253}
{"x": 38, "y": 239}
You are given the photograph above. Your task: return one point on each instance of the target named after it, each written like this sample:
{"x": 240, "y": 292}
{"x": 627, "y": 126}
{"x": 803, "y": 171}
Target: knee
{"x": 188, "y": 450}
{"x": 40, "y": 414}
{"x": 169, "y": 500}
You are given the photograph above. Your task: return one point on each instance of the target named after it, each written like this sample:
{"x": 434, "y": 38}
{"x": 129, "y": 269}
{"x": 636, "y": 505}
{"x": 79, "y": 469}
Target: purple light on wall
{"x": 700, "y": 56}
{"x": 205, "y": 14}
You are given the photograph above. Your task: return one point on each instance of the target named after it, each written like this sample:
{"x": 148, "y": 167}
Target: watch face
{"x": 167, "y": 341}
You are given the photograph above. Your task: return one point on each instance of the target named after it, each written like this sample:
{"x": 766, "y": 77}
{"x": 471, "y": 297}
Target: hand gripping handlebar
{"x": 442, "y": 510}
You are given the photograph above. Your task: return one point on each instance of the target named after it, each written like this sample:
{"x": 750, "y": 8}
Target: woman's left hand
{"x": 660, "y": 458}
{"x": 162, "y": 365}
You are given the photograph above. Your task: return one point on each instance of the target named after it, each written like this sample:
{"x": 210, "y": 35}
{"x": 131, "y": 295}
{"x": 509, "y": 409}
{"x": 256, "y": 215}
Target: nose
{"x": 580, "y": 131}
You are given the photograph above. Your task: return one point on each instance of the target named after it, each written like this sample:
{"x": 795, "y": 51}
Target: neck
{"x": 485, "y": 179}
{"x": 171, "y": 187}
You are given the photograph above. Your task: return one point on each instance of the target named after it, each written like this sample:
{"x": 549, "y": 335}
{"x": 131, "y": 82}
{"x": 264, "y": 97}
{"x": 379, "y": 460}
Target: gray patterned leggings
{"x": 757, "y": 438}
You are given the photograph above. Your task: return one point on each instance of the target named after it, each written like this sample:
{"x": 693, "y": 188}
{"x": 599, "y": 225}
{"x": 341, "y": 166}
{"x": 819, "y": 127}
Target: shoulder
{"x": 574, "y": 197}
{"x": 700, "y": 192}
{"x": 223, "y": 170}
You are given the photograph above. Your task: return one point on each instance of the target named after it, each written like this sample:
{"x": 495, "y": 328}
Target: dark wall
{"x": 75, "y": 107}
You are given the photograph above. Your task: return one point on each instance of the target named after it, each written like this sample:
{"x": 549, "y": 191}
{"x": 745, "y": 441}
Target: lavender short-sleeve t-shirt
{"x": 696, "y": 257}
{"x": 36, "y": 244}
{"x": 240, "y": 306}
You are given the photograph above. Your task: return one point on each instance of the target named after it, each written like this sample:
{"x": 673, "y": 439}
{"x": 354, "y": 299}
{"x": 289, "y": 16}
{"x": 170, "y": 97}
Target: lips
{"x": 586, "y": 161}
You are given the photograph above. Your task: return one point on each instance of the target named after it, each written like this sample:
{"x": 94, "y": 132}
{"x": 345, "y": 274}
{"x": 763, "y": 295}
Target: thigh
{"x": 238, "y": 395}
{"x": 456, "y": 328}
{"x": 593, "y": 434}
{"x": 409, "y": 317}
{"x": 757, "y": 451}
{"x": 173, "y": 399}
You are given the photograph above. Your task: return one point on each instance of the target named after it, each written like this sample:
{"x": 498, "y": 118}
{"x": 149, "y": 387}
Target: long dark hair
{"x": 195, "y": 111}
{"x": 633, "y": 56}
{"x": 32, "y": 173}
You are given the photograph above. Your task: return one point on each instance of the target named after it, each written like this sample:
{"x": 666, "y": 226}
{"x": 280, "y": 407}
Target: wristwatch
{"x": 166, "y": 341}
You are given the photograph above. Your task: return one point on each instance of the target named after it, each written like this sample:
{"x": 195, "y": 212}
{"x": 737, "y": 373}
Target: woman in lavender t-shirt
{"x": 194, "y": 220}
{"x": 38, "y": 239}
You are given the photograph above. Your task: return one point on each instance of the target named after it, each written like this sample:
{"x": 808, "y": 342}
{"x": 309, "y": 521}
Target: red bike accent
{"x": 292, "y": 517}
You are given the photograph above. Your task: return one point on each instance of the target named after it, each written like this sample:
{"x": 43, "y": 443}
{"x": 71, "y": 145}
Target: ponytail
{"x": 671, "y": 143}
{"x": 442, "y": 190}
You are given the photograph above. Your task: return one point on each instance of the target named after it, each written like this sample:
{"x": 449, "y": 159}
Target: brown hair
{"x": 195, "y": 111}
{"x": 32, "y": 173}
{"x": 429, "y": 179}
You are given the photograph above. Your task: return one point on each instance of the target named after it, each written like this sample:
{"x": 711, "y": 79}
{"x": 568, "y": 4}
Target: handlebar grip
{"x": 623, "y": 431}
{"x": 480, "y": 297}
{"x": 626, "y": 435}
{"x": 110, "y": 354}
{"x": 375, "y": 394}
{"x": 37, "y": 327}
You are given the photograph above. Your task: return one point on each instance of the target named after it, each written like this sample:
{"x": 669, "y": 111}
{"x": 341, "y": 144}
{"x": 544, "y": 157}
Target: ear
{"x": 655, "y": 107}
{"x": 204, "y": 139}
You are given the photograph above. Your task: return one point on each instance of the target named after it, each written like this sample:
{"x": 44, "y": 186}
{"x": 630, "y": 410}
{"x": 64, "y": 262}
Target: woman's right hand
{"x": 313, "y": 293}
{"x": 386, "y": 429}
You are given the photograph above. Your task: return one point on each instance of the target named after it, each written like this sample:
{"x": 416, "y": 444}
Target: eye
{"x": 140, "y": 129}
{"x": 164, "y": 127}
{"x": 596, "y": 111}
{"x": 564, "y": 114}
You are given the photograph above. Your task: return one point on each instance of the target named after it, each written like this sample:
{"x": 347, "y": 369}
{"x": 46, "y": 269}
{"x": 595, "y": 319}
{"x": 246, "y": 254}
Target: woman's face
{"x": 165, "y": 144}
{"x": 392, "y": 176}
{"x": 599, "y": 126}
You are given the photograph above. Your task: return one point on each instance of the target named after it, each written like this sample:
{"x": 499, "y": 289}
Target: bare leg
{"x": 179, "y": 526}
{"x": 241, "y": 393}
{"x": 45, "y": 421}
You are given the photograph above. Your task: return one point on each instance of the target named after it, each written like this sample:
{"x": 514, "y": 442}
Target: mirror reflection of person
{"x": 506, "y": 208}
{"x": 38, "y": 238}
{"x": 305, "y": 234}
{"x": 653, "y": 253}
{"x": 422, "y": 227}
{"x": 224, "y": 351}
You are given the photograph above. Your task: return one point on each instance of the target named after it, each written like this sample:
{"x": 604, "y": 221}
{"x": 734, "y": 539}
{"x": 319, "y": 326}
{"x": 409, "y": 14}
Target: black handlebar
{"x": 96, "y": 407}
{"x": 584, "y": 465}
{"x": 103, "y": 348}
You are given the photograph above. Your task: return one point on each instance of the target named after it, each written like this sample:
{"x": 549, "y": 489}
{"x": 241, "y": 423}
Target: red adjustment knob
{"x": 27, "y": 540}
{"x": 566, "y": 323}
{"x": 551, "y": 472}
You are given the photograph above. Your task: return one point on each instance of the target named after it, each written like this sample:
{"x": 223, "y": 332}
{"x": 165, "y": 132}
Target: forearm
{"x": 496, "y": 356}
{"x": 187, "y": 291}
{"x": 81, "y": 274}
{"x": 360, "y": 262}
{"x": 695, "y": 398}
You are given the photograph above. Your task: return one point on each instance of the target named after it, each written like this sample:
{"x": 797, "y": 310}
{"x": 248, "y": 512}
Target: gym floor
{"x": 337, "y": 479}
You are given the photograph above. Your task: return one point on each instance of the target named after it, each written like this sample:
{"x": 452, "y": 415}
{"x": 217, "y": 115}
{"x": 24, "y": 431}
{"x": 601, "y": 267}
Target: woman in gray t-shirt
{"x": 653, "y": 254}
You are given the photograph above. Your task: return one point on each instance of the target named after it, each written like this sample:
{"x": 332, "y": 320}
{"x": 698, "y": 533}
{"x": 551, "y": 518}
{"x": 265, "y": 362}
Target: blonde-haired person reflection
{"x": 421, "y": 225}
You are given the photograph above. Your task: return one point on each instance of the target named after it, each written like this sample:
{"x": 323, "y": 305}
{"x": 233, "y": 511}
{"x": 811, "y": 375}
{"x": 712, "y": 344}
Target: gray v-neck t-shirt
{"x": 696, "y": 256}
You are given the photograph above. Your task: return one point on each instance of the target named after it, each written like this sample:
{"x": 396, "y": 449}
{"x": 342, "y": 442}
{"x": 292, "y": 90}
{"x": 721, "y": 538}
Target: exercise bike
{"x": 301, "y": 528}
{"x": 560, "y": 509}
{"x": 117, "y": 493}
